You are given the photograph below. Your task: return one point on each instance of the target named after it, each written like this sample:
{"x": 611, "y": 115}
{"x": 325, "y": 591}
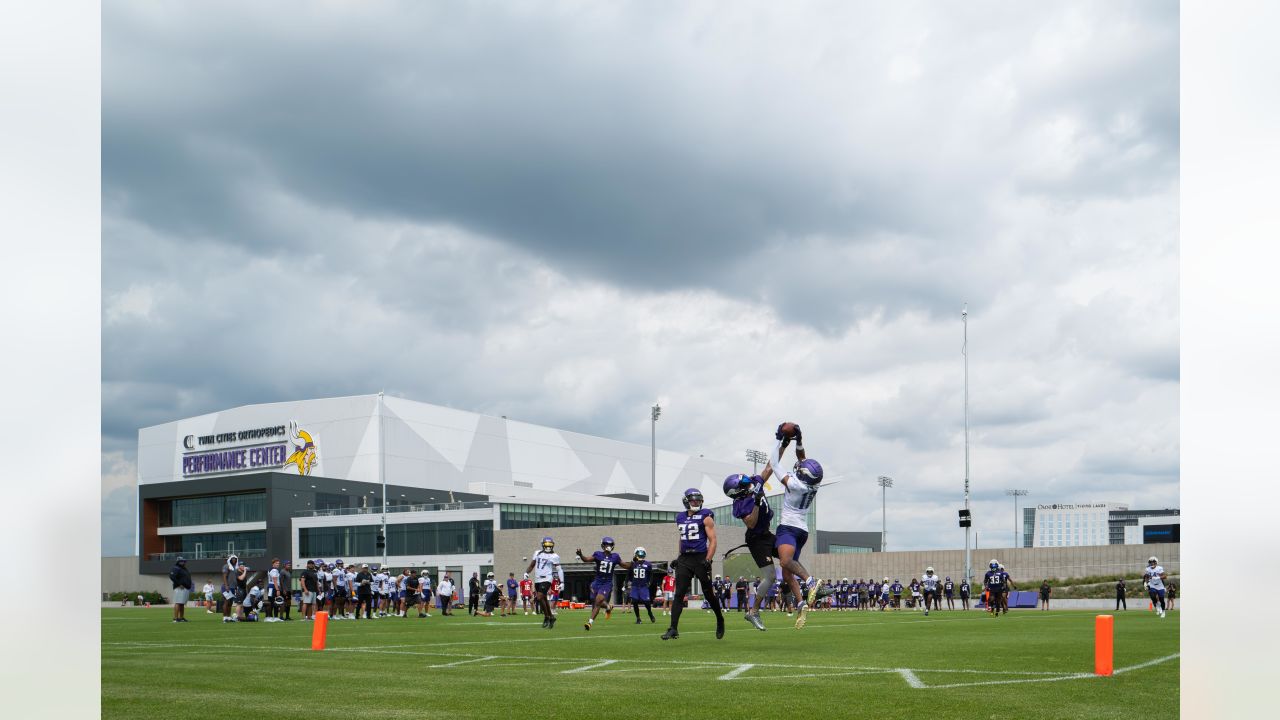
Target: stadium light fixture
{"x": 885, "y": 483}
{"x": 1016, "y": 494}
{"x": 756, "y": 457}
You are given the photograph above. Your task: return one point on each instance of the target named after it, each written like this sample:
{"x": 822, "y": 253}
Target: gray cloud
{"x": 563, "y": 215}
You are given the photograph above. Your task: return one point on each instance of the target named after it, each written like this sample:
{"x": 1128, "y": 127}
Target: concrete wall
{"x": 1025, "y": 565}
{"x": 120, "y": 574}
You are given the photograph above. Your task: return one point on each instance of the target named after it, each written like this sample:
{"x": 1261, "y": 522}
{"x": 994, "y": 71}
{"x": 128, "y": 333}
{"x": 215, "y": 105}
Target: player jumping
{"x": 750, "y": 506}
{"x": 801, "y": 488}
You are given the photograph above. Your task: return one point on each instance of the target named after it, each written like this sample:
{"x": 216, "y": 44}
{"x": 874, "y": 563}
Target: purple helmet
{"x": 691, "y": 496}
{"x": 548, "y": 544}
{"x": 809, "y": 471}
{"x": 737, "y": 485}
{"x": 606, "y": 544}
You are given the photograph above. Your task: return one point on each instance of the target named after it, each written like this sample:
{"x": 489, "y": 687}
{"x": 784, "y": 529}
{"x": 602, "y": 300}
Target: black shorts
{"x": 542, "y": 587}
{"x": 490, "y": 602}
{"x": 762, "y": 548}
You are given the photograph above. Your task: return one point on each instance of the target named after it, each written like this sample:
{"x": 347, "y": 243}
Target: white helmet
{"x": 489, "y": 575}
{"x": 929, "y": 569}
{"x": 1152, "y": 560}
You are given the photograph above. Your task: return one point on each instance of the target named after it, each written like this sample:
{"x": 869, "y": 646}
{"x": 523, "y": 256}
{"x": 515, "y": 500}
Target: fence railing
{"x": 208, "y": 554}
{"x": 431, "y": 507}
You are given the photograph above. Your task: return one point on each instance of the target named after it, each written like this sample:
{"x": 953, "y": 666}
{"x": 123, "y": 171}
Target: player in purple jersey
{"x": 605, "y": 560}
{"x": 995, "y": 581}
{"x": 697, "y": 546}
{"x": 751, "y": 507}
{"x": 641, "y": 576}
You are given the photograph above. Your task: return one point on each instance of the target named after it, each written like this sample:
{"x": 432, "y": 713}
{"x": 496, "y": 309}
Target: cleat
{"x": 553, "y": 623}
{"x": 812, "y": 596}
{"x": 754, "y": 619}
{"x": 586, "y": 626}
{"x": 720, "y": 628}
{"x": 803, "y": 612}
{"x": 670, "y": 634}
{"x": 545, "y": 622}
{"x": 637, "y": 621}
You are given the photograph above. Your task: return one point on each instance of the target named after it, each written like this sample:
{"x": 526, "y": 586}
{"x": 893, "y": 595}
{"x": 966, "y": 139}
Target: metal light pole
{"x": 964, "y": 350}
{"x": 756, "y": 457}
{"x": 885, "y": 483}
{"x": 382, "y": 470}
{"x": 1016, "y": 494}
{"x": 654, "y": 412}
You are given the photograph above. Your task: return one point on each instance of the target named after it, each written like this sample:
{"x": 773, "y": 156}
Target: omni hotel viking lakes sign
{"x": 252, "y": 449}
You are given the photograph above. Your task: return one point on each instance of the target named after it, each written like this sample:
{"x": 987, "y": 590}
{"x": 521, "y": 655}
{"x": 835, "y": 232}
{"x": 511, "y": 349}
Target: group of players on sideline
{"x": 348, "y": 592}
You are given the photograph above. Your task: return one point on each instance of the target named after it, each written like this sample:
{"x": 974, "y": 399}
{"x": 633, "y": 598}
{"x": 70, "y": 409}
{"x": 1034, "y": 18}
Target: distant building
{"x": 1081, "y": 524}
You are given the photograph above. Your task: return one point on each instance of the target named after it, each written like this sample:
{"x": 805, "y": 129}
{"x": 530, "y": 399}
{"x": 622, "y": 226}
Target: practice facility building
{"x": 308, "y": 479}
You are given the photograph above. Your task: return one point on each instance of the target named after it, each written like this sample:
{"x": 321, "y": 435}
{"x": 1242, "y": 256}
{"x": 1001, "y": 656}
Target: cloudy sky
{"x": 562, "y": 212}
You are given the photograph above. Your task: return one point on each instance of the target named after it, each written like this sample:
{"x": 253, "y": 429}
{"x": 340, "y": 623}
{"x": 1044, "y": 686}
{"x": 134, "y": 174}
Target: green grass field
{"x": 1028, "y": 664}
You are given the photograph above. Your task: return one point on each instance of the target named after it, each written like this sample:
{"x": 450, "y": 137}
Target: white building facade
{"x": 370, "y": 479}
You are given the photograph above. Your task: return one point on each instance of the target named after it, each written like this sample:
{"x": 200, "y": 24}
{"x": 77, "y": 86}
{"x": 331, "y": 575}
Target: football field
{"x": 843, "y": 664}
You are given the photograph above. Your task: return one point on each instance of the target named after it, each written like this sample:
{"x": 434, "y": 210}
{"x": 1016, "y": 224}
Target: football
{"x": 788, "y": 429}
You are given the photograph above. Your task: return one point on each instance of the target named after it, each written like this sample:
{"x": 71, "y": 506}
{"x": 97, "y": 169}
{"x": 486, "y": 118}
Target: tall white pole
{"x": 382, "y": 471}
{"x": 654, "y": 412}
{"x": 964, "y": 350}
{"x": 885, "y": 483}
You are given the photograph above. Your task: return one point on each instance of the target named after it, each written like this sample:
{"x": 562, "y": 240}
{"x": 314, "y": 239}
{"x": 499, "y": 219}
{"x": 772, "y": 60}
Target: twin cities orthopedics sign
{"x": 262, "y": 453}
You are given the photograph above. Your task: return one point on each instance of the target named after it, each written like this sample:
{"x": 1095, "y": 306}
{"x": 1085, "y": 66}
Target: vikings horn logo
{"x": 304, "y": 453}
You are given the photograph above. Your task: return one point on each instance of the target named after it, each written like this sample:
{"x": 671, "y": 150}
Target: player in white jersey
{"x": 208, "y": 597}
{"x": 273, "y": 591}
{"x": 1154, "y": 577}
{"x": 545, "y": 564}
{"x": 403, "y": 588}
{"x": 424, "y": 587}
{"x": 380, "y": 582}
{"x": 490, "y": 597}
{"x": 353, "y": 606}
{"x": 800, "y": 490}
{"x": 930, "y": 585}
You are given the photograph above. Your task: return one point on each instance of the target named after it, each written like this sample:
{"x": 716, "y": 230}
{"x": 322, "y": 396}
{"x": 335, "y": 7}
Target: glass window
{"x": 214, "y": 510}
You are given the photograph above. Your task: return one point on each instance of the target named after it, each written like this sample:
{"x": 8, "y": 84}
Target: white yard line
{"x": 464, "y": 662}
{"x": 736, "y": 671}
{"x": 1148, "y": 663}
{"x": 585, "y": 668}
{"x": 911, "y": 678}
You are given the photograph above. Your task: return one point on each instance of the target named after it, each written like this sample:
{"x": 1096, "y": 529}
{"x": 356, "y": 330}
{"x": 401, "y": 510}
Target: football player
{"x": 545, "y": 564}
{"x": 641, "y": 574}
{"x": 800, "y": 490}
{"x": 949, "y": 589}
{"x": 993, "y": 583}
{"x": 526, "y": 593}
{"x": 697, "y": 547}
{"x": 491, "y": 598}
{"x": 750, "y": 506}
{"x": 930, "y": 585}
{"x": 605, "y": 560}
{"x": 1154, "y": 576}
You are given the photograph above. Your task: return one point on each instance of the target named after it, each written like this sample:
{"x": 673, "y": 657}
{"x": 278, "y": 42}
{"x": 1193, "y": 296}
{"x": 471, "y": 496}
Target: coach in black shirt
{"x": 364, "y": 592}
{"x": 310, "y": 587}
{"x": 182, "y": 587}
{"x": 473, "y": 594}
